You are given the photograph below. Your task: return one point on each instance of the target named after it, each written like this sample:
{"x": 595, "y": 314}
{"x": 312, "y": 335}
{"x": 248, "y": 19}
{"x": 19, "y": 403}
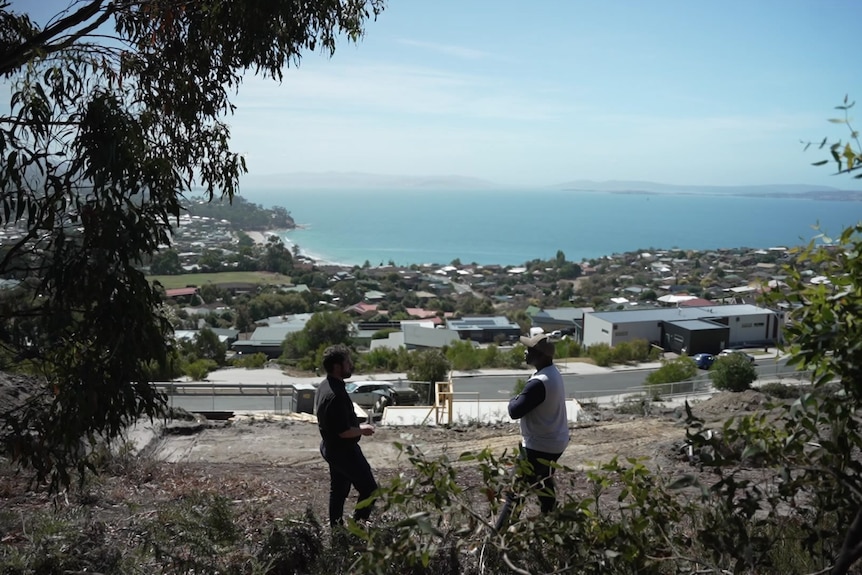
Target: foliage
{"x": 463, "y": 355}
{"x": 207, "y": 345}
{"x": 681, "y": 368}
{"x": 520, "y": 384}
{"x": 601, "y": 353}
{"x": 733, "y": 372}
{"x": 242, "y": 214}
{"x": 199, "y": 369}
{"x": 847, "y": 158}
{"x": 322, "y": 330}
{"x": 635, "y": 351}
{"x": 567, "y": 347}
{"x": 429, "y": 365}
{"x": 251, "y": 361}
{"x": 118, "y": 109}
{"x": 385, "y": 359}
{"x": 383, "y": 333}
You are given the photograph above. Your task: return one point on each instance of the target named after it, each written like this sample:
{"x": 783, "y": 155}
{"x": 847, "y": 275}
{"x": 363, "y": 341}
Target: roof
{"x": 482, "y": 323}
{"x": 679, "y": 313}
{"x": 274, "y": 334}
{"x": 699, "y": 324}
{"x": 564, "y": 313}
{"x": 176, "y": 292}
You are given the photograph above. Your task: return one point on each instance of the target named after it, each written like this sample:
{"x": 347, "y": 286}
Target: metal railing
{"x": 278, "y": 391}
{"x": 700, "y": 385}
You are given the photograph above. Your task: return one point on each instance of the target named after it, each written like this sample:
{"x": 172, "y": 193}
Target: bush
{"x": 520, "y": 384}
{"x": 463, "y": 356}
{"x": 199, "y": 370}
{"x": 601, "y": 353}
{"x": 732, "y": 372}
{"x": 679, "y": 369}
{"x": 251, "y": 361}
{"x": 567, "y": 348}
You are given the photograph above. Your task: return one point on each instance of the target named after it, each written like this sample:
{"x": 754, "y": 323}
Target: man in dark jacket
{"x": 340, "y": 432}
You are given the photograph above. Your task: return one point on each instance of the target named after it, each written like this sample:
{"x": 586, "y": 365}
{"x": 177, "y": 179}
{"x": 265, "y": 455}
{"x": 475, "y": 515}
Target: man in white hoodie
{"x": 541, "y": 409}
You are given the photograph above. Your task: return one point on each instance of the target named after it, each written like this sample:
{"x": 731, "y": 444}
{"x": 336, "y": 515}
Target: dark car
{"x": 703, "y": 360}
{"x": 379, "y": 394}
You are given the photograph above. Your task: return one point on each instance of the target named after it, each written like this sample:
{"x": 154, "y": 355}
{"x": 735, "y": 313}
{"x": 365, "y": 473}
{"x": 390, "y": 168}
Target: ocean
{"x": 513, "y": 227}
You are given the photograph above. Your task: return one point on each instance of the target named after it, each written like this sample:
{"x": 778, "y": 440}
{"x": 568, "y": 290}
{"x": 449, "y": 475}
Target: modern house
{"x": 268, "y": 339}
{"x": 417, "y": 335}
{"x": 687, "y": 327}
{"x": 484, "y": 329}
{"x": 568, "y": 319}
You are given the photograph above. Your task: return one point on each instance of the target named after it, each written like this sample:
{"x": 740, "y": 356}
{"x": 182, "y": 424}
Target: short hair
{"x": 335, "y": 355}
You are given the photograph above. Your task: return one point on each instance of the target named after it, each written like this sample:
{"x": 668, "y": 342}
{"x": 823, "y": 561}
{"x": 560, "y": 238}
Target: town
{"x": 678, "y": 300}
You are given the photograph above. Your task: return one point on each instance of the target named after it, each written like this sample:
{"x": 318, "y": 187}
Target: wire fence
{"x": 287, "y": 398}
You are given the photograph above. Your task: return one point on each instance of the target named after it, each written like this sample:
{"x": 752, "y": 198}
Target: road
{"x": 483, "y": 387}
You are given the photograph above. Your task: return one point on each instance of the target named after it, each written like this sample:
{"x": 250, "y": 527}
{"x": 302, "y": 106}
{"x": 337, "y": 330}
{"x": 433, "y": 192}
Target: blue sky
{"x": 547, "y": 91}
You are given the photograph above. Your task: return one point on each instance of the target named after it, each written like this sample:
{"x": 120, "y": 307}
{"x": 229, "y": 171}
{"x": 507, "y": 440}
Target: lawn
{"x": 199, "y": 279}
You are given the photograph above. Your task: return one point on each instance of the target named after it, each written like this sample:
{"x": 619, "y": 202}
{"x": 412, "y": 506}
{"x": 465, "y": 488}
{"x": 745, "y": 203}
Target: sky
{"x": 548, "y": 91}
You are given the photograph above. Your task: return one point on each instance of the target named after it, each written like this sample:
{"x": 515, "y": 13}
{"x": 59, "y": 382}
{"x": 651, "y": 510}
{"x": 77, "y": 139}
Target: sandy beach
{"x": 258, "y": 237}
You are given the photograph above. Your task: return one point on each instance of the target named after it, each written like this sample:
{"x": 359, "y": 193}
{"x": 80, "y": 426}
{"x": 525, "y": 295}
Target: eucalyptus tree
{"x": 117, "y": 110}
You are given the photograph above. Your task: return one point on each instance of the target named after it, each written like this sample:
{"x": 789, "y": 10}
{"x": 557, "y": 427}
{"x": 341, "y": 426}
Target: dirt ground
{"x": 283, "y": 451}
{"x": 275, "y": 460}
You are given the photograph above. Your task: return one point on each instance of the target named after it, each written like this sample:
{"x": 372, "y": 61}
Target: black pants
{"x": 539, "y": 474}
{"x": 347, "y": 466}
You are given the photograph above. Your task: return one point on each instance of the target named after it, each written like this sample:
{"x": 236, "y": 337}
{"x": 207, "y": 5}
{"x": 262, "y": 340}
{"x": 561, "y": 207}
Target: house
{"x": 269, "y": 339}
{"x": 186, "y": 293}
{"x": 485, "y": 329}
{"x": 567, "y": 319}
{"x": 417, "y": 335}
{"x": 747, "y": 325}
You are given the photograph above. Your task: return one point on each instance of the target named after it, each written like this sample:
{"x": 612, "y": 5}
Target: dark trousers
{"x": 539, "y": 474}
{"x": 347, "y": 466}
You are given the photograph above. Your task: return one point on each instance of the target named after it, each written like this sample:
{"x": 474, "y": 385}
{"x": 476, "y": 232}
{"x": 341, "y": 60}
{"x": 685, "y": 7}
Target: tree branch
{"x": 850, "y": 549}
{"x": 25, "y": 51}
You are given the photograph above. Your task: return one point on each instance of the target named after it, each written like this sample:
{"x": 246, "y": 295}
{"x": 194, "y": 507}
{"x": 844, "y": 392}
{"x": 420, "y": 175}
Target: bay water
{"x": 511, "y": 227}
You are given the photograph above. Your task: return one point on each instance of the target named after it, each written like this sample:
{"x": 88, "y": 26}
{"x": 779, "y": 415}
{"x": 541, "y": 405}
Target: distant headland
{"x": 297, "y": 181}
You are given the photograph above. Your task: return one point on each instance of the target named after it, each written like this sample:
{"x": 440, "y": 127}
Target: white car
{"x": 374, "y": 393}
{"x": 729, "y": 352}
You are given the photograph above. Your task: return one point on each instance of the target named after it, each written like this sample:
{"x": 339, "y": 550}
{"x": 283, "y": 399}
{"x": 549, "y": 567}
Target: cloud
{"x": 393, "y": 90}
{"x": 448, "y": 49}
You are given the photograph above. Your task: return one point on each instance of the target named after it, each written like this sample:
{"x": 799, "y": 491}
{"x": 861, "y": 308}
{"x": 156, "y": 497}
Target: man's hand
{"x": 366, "y": 429}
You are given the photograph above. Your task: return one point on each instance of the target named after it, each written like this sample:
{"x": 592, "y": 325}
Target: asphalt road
{"x": 484, "y": 387}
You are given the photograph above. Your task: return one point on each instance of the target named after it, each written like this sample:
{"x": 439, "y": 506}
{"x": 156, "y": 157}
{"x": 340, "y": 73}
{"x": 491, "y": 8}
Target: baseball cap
{"x": 540, "y": 343}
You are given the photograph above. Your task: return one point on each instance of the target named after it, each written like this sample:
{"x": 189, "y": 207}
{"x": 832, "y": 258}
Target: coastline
{"x": 260, "y": 239}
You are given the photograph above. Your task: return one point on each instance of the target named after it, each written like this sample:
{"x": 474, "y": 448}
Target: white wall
{"x": 597, "y": 330}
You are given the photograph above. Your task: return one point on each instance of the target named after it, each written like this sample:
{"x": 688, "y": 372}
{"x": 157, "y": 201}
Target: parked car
{"x": 379, "y": 394}
{"x": 703, "y": 360}
{"x": 728, "y": 352}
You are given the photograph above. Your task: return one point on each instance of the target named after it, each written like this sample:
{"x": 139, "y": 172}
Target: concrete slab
{"x": 463, "y": 413}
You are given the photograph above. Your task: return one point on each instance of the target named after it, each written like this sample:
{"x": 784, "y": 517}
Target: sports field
{"x": 200, "y": 279}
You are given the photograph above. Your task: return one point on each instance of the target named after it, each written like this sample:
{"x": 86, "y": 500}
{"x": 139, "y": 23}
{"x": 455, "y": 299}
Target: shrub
{"x": 601, "y": 353}
{"x": 519, "y": 386}
{"x": 251, "y": 361}
{"x": 199, "y": 370}
{"x": 732, "y": 372}
{"x": 463, "y": 356}
{"x": 679, "y": 369}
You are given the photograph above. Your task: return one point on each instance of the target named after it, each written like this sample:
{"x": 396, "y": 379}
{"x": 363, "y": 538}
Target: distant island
{"x": 299, "y": 181}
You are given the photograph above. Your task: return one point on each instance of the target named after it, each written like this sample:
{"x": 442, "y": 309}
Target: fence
{"x": 699, "y": 385}
{"x": 214, "y": 391}
{"x": 280, "y": 398}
